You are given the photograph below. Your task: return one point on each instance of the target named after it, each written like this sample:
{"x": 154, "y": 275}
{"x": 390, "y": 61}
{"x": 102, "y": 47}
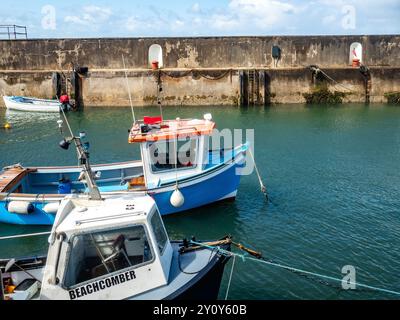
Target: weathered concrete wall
{"x": 108, "y": 88}
{"x": 35, "y": 84}
{"x": 26, "y": 67}
{"x": 207, "y": 52}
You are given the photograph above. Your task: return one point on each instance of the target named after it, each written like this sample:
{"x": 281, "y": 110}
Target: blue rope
{"x": 244, "y": 257}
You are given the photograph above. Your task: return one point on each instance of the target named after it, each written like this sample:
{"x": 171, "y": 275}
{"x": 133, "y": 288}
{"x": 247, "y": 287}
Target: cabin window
{"x": 166, "y": 155}
{"x": 93, "y": 255}
{"x": 159, "y": 231}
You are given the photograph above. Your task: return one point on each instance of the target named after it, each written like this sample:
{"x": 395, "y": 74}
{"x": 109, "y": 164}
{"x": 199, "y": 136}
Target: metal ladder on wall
{"x": 253, "y": 87}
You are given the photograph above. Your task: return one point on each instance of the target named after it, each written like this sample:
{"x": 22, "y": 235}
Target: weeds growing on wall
{"x": 392, "y": 97}
{"x": 322, "y": 95}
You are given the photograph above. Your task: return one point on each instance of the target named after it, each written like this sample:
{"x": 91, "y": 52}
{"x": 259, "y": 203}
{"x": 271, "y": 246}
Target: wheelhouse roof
{"x": 171, "y": 129}
{"x": 91, "y": 214}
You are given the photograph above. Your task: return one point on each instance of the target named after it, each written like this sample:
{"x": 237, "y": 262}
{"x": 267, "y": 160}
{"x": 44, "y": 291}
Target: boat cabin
{"x": 172, "y": 149}
{"x": 112, "y": 249}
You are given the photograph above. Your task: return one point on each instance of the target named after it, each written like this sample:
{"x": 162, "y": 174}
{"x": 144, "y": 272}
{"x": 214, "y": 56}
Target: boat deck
{"x": 9, "y": 178}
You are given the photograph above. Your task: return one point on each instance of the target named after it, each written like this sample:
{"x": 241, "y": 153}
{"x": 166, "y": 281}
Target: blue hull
{"x": 198, "y": 191}
{"x": 38, "y": 217}
{"x": 222, "y": 185}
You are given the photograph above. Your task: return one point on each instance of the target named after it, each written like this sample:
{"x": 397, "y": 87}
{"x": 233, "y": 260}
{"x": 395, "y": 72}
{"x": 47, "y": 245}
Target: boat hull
{"x": 204, "y": 189}
{"x": 203, "y": 284}
{"x": 206, "y": 285}
{"x": 219, "y": 183}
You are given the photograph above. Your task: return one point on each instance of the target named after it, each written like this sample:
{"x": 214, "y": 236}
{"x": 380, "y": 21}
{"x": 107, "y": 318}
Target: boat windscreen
{"x": 93, "y": 255}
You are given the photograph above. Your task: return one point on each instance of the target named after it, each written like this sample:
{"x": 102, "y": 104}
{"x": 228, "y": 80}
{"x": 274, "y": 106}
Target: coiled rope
{"x": 292, "y": 269}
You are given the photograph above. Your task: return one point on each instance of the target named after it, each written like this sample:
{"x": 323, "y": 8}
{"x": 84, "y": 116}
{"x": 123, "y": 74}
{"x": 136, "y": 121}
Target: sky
{"x": 179, "y": 18}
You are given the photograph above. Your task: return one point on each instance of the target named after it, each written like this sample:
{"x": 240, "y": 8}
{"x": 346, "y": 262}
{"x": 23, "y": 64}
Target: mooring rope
{"x": 223, "y": 75}
{"x": 230, "y": 278}
{"x": 296, "y": 270}
{"x": 318, "y": 69}
{"x": 177, "y": 74}
{"x": 262, "y": 186}
{"x": 129, "y": 90}
{"x": 335, "y": 82}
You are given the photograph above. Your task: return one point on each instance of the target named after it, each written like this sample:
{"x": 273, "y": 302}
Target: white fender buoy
{"x": 20, "y": 207}
{"x": 51, "y": 207}
{"x": 177, "y": 199}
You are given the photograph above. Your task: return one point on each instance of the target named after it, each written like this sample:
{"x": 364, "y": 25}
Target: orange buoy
{"x": 7, "y": 126}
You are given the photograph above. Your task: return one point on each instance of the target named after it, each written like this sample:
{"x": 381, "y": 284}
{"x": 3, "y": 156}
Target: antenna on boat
{"x": 83, "y": 156}
{"x": 129, "y": 90}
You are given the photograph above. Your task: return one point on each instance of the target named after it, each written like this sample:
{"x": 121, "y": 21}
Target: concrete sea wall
{"x": 205, "y": 71}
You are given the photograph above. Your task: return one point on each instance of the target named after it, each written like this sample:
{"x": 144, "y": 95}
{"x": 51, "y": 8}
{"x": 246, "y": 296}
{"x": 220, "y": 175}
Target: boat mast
{"x": 83, "y": 157}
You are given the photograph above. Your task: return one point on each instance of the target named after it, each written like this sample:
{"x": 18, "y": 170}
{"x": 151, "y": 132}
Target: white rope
{"x": 66, "y": 120}
{"x": 25, "y": 235}
{"x": 232, "y": 254}
{"x": 263, "y": 188}
{"x": 334, "y": 81}
{"x": 230, "y": 278}
{"x": 129, "y": 90}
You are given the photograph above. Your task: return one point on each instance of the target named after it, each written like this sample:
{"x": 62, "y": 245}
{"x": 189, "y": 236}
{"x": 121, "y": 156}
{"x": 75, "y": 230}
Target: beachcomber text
{"x": 101, "y": 284}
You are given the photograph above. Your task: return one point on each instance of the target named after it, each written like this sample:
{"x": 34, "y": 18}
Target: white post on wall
{"x": 155, "y": 54}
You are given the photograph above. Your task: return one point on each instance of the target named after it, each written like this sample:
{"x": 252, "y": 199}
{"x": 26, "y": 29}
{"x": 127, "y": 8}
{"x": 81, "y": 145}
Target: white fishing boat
{"x": 115, "y": 249}
{"x": 33, "y": 104}
{"x": 204, "y": 176}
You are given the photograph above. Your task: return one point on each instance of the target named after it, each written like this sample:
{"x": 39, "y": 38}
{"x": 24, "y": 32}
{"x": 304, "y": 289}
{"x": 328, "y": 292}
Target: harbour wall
{"x": 201, "y": 71}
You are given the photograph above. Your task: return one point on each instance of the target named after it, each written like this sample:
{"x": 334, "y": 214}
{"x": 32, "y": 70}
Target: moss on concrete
{"x": 322, "y": 95}
{"x": 392, "y": 97}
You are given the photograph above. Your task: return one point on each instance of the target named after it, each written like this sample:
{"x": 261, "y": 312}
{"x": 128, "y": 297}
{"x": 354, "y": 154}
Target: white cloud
{"x": 260, "y": 14}
{"x": 327, "y": 20}
{"x": 224, "y": 22}
{"x": 91, "y": 16}
{"x": 196, "y": 8}
{"x": 238, "y": 17}
{"x": 132, "y": 23}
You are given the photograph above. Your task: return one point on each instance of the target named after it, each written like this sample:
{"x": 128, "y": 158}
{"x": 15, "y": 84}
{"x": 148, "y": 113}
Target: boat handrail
{"x": 122, "y": 215}
{"x": 18, "y": 236}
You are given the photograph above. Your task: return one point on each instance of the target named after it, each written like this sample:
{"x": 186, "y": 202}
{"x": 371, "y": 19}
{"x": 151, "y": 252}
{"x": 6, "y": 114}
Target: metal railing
{"x": 13, "y": 31}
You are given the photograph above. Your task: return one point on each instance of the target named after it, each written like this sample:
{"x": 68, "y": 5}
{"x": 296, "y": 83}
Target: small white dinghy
{"x": 32, "y": 104}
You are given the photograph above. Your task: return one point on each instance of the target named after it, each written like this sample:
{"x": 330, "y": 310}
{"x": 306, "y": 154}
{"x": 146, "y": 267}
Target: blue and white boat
{"x": 200, "y": 176}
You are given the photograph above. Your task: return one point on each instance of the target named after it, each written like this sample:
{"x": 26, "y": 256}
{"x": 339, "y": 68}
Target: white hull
{"x": 35, "y": 105}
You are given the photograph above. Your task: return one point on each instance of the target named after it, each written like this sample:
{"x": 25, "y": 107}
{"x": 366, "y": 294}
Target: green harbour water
{"x": 333, "y": 176}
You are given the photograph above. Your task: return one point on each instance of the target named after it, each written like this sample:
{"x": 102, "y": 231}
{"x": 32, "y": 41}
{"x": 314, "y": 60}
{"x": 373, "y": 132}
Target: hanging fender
{"x": 20, "y": 207}
{"x": 51, "y": 207}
